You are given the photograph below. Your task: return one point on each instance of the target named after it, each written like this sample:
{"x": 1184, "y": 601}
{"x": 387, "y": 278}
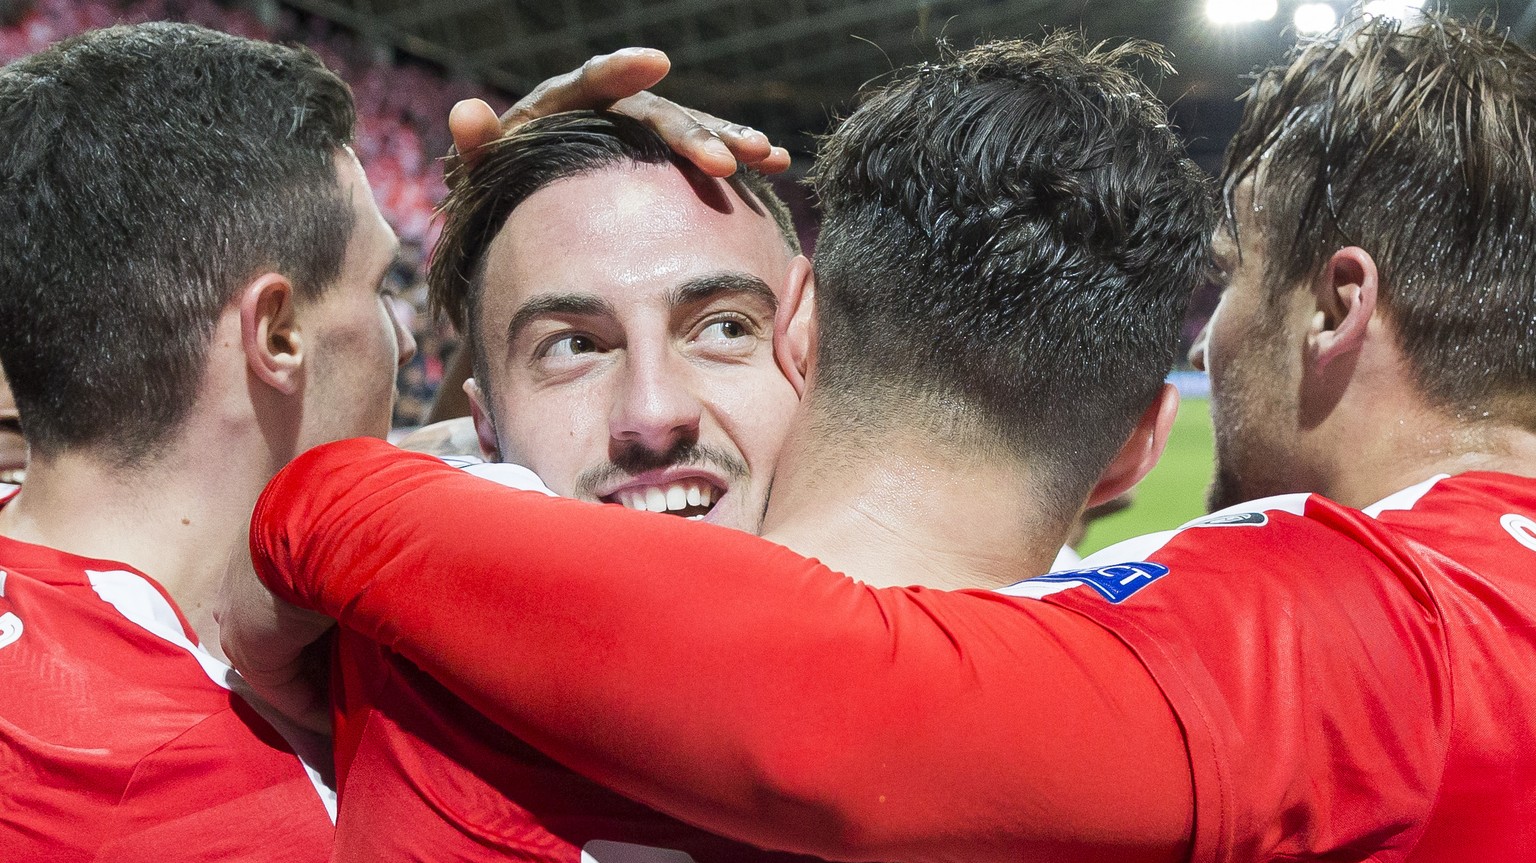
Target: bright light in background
{"x": 1240, "y": 11}
{"x": 1402, "y": 10}
{"x": 1313, "y": 19}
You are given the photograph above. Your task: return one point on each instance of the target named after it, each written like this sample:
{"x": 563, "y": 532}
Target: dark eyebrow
{"x": 705, "y": 288}
{"x": 555, "y": 304}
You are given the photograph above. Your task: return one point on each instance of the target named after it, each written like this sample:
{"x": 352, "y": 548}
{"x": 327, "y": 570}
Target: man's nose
{"x": 405, "y": 341}
{"x": 1197, "y": 350}
{"x": 656, "y": 405}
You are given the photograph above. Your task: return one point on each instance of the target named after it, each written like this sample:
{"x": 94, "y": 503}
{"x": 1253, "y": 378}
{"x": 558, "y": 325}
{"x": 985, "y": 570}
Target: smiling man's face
{"x": 628, "y": 318}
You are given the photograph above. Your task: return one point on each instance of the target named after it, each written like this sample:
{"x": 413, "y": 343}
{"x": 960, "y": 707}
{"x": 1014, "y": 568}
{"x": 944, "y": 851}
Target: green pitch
{"x": 1175, "y": 490}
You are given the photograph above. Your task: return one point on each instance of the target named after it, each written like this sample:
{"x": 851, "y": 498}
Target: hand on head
{"x": 618, "y": 82}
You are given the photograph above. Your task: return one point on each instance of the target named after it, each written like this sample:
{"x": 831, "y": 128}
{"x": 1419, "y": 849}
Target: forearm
{"x": 727, "y": 680}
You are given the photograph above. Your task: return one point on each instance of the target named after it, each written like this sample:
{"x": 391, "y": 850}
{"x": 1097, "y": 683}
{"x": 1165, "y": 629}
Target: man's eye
{"x": 569, "y": 346}
{"x": 727, "y": 330}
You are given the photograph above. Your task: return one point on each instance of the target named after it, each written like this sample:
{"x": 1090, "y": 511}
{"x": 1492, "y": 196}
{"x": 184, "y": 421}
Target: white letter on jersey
{"x": 1521, "y": 528}
{"x": 10, "y": 629}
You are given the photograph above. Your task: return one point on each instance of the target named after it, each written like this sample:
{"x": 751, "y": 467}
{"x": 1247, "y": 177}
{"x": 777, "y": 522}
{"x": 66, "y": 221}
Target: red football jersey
{"x": 120, "y": 738}
{"x": 424, "y": 776}
{"x": 1293, "y": 680}
{"x": 1350, "y": 683}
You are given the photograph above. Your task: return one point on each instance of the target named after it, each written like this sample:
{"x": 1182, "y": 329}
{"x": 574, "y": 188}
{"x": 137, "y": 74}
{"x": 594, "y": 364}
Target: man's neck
{"x": 1424, "y": 444}
{"x": 178, "y": 520}
{"x": 901, "y": 514}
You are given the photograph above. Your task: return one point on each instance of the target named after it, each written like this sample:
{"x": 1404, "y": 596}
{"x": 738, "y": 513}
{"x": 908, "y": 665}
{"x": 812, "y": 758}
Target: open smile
{"x": 690, "y": 497}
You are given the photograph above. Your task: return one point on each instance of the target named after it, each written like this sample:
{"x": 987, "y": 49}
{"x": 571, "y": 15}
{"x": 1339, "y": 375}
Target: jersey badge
{"x": 1116, "y": 583}
{"x": 1233, "y": 519}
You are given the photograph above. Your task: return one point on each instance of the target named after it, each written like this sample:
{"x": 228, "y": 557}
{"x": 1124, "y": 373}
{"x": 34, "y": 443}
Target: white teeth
{"x": 666, "y": 498}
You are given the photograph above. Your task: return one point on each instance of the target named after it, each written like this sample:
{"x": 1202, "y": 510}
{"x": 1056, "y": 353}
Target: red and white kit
{"x": 1327, "y": 683}
{"x": 122, "y": 740}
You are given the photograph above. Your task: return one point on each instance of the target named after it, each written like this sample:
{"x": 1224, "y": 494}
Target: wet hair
{"x": 523, "y": 161}
{"x": 1416, "y": 144}
{"x": 146, "y": 173}
{"x": 1009, "y": 242}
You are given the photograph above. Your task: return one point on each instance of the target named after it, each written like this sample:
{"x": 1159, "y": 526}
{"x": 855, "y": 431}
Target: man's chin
{"x": 1224, "y": 491}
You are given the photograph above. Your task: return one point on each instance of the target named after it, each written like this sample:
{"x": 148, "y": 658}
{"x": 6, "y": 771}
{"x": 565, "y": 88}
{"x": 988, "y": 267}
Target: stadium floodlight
{"x": 1313, "y": 19}
{"x": 1240, "y": 11}
{"x": 1402, "y": 10}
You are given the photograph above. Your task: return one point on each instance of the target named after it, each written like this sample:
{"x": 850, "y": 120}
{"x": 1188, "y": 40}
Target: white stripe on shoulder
{"x": 1066, "y": 558}
{"x": 1295, "y": 504}
{"x": 1405, "y": 499}
{"x": 139, "y": 602}
{"x": 135, "y": 599}
{"x": 503, "y": 473}
{"x": 1135, "y": 548}
{"x": 1142, "y": 547}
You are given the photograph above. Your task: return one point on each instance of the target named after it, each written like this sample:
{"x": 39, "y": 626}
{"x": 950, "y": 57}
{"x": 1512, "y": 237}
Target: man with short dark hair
{"x": 621, "y": 307}
{"x": 628, "y": 315}
{"x": 978, "y": 211}
{"x": 190, "y": 270}
{"x": 1291, "y": 678}
{"x": 1396, "y": 161}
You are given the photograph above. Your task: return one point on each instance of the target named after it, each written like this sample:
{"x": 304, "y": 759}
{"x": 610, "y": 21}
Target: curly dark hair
{"x": 1010, "y": 240}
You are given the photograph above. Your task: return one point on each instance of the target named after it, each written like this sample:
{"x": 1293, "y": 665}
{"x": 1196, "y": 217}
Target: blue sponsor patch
{"x": 1116, "y": 583}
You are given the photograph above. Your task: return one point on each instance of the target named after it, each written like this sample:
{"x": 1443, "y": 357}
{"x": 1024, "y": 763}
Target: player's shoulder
{"x": 1226, "y": 533}
{"x": 114, "y": 618}
{"x": 1448, "y": 502}
{"x": 1290, "y": 533}
{"x": 26, "y": 564}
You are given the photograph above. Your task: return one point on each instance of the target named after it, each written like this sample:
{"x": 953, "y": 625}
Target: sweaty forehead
{"x": 630, "y": 230}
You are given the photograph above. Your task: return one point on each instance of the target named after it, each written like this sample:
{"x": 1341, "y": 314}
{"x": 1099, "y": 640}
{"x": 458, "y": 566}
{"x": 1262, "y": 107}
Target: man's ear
{"x": 1141, "y": 450}
{"x": 269, "y": 332}
{"x": 485, "y": 429}
{"x": 794, "y": 326}
{"x": 1346, "y": 300}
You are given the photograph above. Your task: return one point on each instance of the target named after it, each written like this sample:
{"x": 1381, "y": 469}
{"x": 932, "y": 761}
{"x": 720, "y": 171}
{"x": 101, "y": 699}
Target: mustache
{"x": 637, "y": 460}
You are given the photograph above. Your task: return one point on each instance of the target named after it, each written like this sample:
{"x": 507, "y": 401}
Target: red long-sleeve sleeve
{"x": 732, "y": 683}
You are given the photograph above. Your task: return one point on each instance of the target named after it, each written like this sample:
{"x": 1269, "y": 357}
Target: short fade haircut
{"x": 1010, "y": 239}
{"x": 146, "y": 172}
{"x": 523, "y": 161}
{"x": 1415, "y": 143}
